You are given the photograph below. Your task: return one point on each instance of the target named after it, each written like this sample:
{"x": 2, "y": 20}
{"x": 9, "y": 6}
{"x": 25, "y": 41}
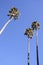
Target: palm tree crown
{"x": 35, "y": 25}
{"x": 13, "y": 13}
{"x": 29, "y": 32}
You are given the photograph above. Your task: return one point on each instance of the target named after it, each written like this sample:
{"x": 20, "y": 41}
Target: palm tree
{"x": 29, "y": 33}
{"x": 13, "y": 13}
{"x": 35, "y": 25}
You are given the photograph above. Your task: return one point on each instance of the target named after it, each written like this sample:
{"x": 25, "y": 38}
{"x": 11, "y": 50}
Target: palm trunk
{"x": 29, "y": 51}
{"x": 5, "y": 25}
{"x": 37, "y": 47}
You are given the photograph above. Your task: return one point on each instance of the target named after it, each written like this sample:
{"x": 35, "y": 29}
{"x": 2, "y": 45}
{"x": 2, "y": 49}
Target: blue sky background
{"x": 13, "y": 43}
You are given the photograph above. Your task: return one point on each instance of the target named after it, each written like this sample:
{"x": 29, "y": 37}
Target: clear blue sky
{"x": 13, "y": 43}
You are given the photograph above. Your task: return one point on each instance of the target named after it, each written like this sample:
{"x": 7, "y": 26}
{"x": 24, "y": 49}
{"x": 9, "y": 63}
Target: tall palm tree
{"x": 29, "y": 33}
{"x": 13, "y": 13}
{"x": 35, "y": 25}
